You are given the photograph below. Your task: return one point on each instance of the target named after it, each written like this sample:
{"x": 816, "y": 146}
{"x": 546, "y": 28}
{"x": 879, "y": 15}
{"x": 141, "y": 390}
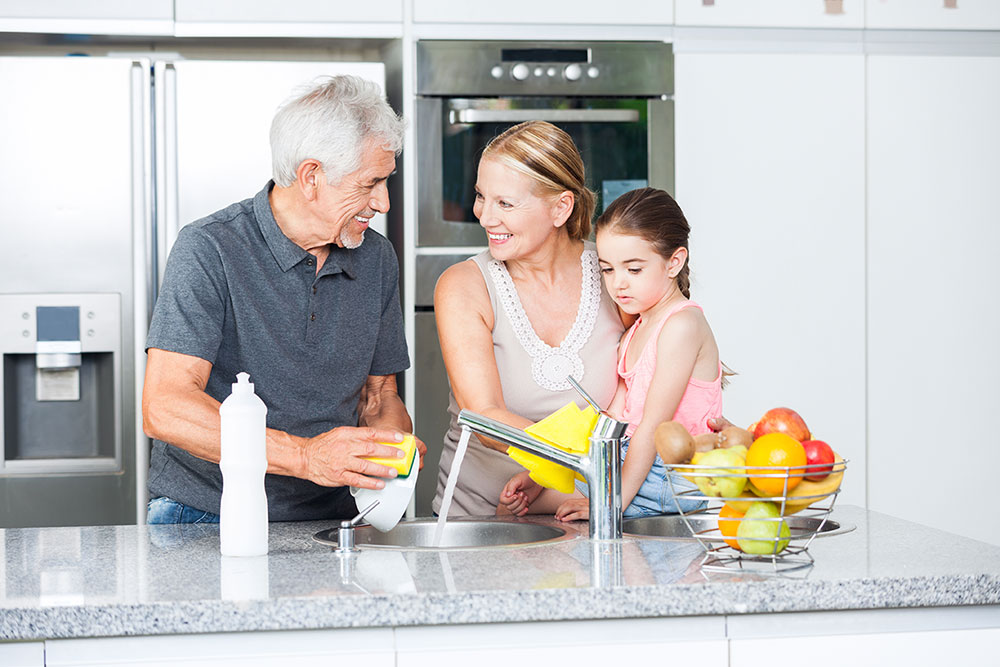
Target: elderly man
{"x": 289, "y": 287}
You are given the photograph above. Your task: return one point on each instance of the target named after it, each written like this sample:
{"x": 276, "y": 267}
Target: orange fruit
{"x": 728, "y": 524}
{"x": 769, "y": 451}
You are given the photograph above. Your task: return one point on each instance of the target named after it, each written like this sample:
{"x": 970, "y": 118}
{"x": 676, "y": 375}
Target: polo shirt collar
{"x": 286, "y": 253}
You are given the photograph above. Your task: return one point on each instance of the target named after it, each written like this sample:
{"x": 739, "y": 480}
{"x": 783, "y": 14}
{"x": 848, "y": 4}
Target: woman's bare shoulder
{"x": 462, "y": 284}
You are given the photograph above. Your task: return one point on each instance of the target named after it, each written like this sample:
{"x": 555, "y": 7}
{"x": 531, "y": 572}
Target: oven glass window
{"x": 611, "y": 135}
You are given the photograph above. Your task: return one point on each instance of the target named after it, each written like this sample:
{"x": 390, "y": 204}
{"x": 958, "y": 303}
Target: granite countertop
{"x": 149, "y": 580}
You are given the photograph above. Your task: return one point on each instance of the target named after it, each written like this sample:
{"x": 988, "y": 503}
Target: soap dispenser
{"x": 243, "y": 516}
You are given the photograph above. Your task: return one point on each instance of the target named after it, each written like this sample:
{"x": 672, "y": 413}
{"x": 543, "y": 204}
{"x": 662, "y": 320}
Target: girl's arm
{"x": 464, "y": 319}
{"x": 677, "y": 350}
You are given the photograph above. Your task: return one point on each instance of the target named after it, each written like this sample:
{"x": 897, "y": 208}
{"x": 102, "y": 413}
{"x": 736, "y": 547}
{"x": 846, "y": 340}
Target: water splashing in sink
{"x": 449, "y": 488}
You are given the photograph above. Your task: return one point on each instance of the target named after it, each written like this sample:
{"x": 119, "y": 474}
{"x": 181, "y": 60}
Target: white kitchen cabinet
{"x": 694, "y": 640}
{"x": 624, "y": 12}
{"x": 295, "y": 18}
{"x": 372, "y": 647}
{"x": 868, "y": 650}
{"x": 933, "y": 14}
{"x": 104, "y": 17}
{"x": 770, "y": 13}
{"x": 933, "y": 312}
{"x": 22, "y": 654}
{"x": 770, "y": 174}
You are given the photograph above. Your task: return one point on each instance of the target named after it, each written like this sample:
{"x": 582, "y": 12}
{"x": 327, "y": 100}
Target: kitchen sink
{"x": 674, "y": 526}
{"x": 458, "y": 534}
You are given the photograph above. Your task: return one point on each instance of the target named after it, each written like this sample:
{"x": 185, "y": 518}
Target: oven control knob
{"x": 573, "y": 72}
{"x": 520, "y": 71}
{"x": 496, "y": 72}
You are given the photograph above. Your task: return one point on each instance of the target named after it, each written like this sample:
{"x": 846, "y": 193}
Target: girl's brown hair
{"x": 655, "y": 217}
{"x": 547, "y": 155}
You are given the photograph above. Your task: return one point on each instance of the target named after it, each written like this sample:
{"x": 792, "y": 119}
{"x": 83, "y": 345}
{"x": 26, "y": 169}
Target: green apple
{"x": 727, "y": 476}
{"x": 760, "y": 529}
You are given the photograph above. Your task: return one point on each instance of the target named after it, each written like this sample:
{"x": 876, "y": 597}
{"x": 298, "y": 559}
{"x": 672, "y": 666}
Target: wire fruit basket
{"x": 777, "y": 531}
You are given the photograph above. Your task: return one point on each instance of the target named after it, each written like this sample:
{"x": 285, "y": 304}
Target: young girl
{"x": 668, "y": 361}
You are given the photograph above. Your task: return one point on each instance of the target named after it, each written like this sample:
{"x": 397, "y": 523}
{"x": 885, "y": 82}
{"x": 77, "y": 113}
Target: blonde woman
{"x": 518, "y": 318}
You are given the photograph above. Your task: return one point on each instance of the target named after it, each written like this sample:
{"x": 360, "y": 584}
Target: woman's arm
{"x": 465, "y": 321}
{"x": 677, "y": 350}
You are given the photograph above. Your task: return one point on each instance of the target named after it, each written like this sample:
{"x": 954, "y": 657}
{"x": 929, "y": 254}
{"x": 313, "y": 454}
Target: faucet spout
{"x": 601, "y": 466}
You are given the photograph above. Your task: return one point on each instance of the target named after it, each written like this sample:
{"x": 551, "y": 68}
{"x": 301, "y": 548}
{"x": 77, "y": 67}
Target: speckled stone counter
{"x": 139, "y": 580}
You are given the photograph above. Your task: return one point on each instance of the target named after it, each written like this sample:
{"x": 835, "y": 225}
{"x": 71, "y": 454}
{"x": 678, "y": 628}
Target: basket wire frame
{"x": 777, "y": 557}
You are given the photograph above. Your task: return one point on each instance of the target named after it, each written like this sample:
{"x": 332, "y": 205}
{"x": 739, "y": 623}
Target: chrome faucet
{"x": 601, "y": 466}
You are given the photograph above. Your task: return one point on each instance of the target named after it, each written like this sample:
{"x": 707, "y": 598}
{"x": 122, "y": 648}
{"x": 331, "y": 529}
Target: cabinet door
{"x": 933, "y": 311}
{"x": 770, "y": 174}
{"x": 22, "y": 654}
{"x": 289, "y": 17}
{"x": 88, "y": 17}
{"x": 695, "y": 640}
{"x": 771, "y": 13}
{"x": 626, "y": 12}
{"x": 899, "y": 648}
{"x": 372, "y": 647}
{"x": 933, "y": 14}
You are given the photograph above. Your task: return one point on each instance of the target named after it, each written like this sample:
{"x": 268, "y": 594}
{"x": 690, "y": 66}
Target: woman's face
{"x": 516, "y": 220}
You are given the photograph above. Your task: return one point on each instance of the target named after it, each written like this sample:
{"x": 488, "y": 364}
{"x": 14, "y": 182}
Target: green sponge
{"x": 403, "y": 465}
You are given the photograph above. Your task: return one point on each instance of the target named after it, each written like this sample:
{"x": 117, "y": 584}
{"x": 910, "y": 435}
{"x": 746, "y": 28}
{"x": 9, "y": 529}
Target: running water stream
{"x": 449, "y": 487}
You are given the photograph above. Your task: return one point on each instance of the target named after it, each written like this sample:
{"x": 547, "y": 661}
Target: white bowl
{"x": 392, "y": 499}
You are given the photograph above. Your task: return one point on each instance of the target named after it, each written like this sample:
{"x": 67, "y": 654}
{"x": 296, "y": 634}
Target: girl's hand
{"x": 574, "y": 509}
{"x": 518, "y": 494}
{"x": 719, "y": 423}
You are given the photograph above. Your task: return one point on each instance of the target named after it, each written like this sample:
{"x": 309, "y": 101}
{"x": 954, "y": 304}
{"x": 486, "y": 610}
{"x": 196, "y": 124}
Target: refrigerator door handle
{"x": 143, "y": 280}
{"x": 166, "y": 163}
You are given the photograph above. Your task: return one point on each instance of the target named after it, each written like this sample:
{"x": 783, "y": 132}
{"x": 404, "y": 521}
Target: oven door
{"x": 626, "y": 143}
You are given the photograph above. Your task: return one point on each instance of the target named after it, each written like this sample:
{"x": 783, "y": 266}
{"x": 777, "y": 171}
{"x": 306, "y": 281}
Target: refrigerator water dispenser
{"x": 60, "y": 393}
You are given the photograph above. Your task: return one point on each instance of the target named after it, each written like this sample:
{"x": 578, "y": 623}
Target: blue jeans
{"x": 164, "y": 510}
{"x": 656, "y": 496}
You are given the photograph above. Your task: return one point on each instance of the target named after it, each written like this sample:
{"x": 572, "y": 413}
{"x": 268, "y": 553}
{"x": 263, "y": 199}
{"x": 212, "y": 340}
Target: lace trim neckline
{"x": 551, "y": 365}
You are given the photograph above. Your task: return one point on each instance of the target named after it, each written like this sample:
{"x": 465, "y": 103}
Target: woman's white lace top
{"x": 550, "y": 365}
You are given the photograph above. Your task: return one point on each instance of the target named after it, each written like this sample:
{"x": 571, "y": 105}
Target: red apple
{"x": 818, "y": 452}
{"x": 782, "y": 420}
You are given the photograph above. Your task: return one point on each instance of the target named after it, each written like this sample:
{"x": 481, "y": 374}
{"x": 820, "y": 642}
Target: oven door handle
{"x": 456, "y": 116}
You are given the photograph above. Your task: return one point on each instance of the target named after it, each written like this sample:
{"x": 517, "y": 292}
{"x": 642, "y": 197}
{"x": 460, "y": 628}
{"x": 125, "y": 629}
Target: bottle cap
{"x": 243, "y": 384}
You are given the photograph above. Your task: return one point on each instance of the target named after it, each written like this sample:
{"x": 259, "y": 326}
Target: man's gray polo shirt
{"x": 238, "y": 293}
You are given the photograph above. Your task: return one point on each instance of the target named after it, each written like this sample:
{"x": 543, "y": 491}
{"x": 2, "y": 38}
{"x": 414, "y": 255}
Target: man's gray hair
{"x": 330, "y": 122}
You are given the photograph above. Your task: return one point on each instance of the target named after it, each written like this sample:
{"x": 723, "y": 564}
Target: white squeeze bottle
{"x": 243, "y": 517}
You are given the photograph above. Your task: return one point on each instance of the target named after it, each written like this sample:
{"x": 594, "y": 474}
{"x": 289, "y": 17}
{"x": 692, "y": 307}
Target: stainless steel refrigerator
{"x": 102, "y": 159}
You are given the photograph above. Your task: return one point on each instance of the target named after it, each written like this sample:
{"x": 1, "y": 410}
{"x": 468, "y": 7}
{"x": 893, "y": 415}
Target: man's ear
{"x": 307, "y": 177}
{"x": 562, "y": 207}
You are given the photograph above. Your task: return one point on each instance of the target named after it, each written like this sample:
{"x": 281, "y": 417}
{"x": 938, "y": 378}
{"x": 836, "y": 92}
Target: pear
{"x": 762, "y": 531}
{"x": 727, "y": 476}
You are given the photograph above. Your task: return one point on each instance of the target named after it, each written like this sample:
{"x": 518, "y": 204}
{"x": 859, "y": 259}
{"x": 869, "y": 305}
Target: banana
{"x": 808, "y": 492}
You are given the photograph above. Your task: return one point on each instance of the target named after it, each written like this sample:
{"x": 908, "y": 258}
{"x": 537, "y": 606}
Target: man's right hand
{"x": 337, "y": 457}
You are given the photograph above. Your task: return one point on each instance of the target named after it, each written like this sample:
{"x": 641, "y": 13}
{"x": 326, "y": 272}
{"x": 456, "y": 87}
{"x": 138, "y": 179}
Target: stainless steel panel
{"x": 661, "y": 144}
{"x": 455, "y": 67}
{"x": 429, "y": 269}
{"x": 430, "y": 405}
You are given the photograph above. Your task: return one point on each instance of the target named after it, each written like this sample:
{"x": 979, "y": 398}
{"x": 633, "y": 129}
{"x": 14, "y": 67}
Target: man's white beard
{"x": 350, "y": 242}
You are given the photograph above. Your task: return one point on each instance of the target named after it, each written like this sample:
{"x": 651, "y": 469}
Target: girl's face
{"x": 516, "y": 220}
{"x": 637, "y": 277}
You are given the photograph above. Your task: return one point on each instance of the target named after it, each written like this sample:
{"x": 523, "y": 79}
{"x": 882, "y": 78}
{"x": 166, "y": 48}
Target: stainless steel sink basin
{"x": 674, "y": 526}
{"x": 458, "y": 534}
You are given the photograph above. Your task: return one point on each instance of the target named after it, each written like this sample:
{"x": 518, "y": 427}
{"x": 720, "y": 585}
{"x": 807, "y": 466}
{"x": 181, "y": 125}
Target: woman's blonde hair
{"x": 547, "y": 155}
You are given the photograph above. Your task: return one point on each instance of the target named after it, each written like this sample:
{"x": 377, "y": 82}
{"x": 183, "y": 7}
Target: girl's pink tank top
{"x": 701, "y": 401}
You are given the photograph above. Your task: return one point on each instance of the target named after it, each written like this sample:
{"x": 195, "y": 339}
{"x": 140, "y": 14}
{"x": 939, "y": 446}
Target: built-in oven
{"x": 613, "y": 98}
